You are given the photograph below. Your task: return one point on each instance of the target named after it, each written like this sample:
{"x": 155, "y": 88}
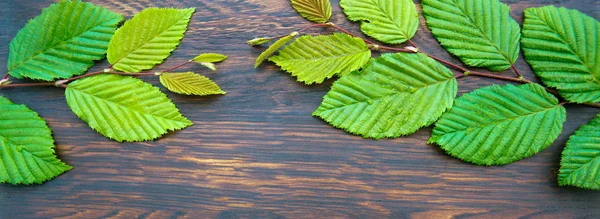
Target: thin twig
{"x": 28, "y": 84}
{"x": 596, "y": 105}
{"x": 178, "y": 66}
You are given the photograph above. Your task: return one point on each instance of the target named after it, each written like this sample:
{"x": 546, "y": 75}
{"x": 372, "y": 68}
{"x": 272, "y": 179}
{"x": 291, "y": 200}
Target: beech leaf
{"x": 562, "y": 47}
{"x": 389, "y": 21}
{"x": 124, "y": 108}
{"x": 580, "y": 164}
{"x": 274, "y": 47}
{"x": 148, "y": 38}
{"x": 499, "y": 125}
{"x": 480, "y": 32}
{"x": 26, "y": 146}
{"x": 314, "y": 10}
{"x": 394, "y": 95}
{"x": 314, "y": 59}
{"x": 189, "y": 83}
{"x": 63, "y": 41}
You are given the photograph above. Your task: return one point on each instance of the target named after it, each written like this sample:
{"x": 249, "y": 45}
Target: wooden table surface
{"x": 257, "y": 152}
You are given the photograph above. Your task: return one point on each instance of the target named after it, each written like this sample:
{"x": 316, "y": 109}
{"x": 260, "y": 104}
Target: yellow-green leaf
{"x": 314, "y": 59}
{"x": 314, "y": 10}
{"x": 148, "y": 38}
{"x": 124, "y": 108}
{"x": 210, "y": 57}
{"x": 389, "y": 21}
{"x": 190, "y": 83}
{"x": 274, "y": 47}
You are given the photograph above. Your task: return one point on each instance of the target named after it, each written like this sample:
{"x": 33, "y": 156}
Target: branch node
{"x": 5, "y": 81}
{"x": 374, "y": 47}
{"x": 61, "y": 83}
{"x": 107, "y": 70}
{"x": 412, "y": 48}
{"x": 158, "y": 73}
{"x": 466, "y": 73}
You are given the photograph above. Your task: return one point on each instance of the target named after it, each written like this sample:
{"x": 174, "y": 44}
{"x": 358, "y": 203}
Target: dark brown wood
{"x": 257, "y": 152}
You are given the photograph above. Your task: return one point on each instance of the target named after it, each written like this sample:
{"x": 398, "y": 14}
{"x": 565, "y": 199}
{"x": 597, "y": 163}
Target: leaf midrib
{"x": 574, "y": 51}
{"x": 390, "y": 19}
{"x": 498, "y": 122}
{"x": 121, "y": 105}
{"x": 395, "y": 93}
{"x": 319, "y": 58}
{"x": 483, "y": 33}
{"x": 17, "y": 65}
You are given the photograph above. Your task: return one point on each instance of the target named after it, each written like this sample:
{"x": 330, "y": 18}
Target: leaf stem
{"x": 516, "y": 71}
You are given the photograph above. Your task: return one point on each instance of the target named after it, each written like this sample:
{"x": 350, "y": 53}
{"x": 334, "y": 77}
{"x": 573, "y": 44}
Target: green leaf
{"x": 148, "y": 38}
{"x": 394, "y": 95}
{"x": 274, "y": 47}
{"x": 62, "y": 41}
{"x": 314, "y": 59}
{"x": 314, "y": 10}
{"x": 499, "y": 125}
{"x": 389, "y": 21}
{"x": 580, "y": 164}
{"x": 124, "y": 108}
{"x": 26, "y": 146}
{"x": 210, "y": 57}
{"x": 189, "y": 83}
{"x": 562, "y": 47}
{"x": 480, "y": 32}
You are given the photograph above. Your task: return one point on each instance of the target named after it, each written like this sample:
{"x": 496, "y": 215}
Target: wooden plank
{"x": 257, "y": 152}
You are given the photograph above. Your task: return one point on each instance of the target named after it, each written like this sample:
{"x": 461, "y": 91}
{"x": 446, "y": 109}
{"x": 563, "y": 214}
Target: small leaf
{"x": 124, "y": 108}
{"x": 314, "y": 10}
{"x": 210, "y": 57}
{"x": 314, "y": 59}
{"x": 480, "y": 32}
{"x": 580, "y": 163}
{"x": 389, "y": 21}
{"x": 274, "y": 47}
{"x": 394, "y": 95}
{"x": 148, "y": 38}
{"x": 499, "y": 125}
{"x": 62, "y": 42}
{"x": 562, "y": 47}
{"x": 190, "y": 83}
{"x": 209, "y": 65}
{"x": 259, "y": 41}
{"x": 26, "y": 146}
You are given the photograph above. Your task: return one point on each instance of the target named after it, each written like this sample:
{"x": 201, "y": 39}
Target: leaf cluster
{"x": 60, "y": 45}
{"x": 397, "y": 94}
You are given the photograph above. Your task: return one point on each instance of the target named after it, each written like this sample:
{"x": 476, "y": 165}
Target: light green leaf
{"x": 259, "y": 41}
{"x": 394, "y": 95}
{"x": 274, "y": 47}
{"x": 499, "y": 125}
{"x": 562, "y": 47}
{"x": 189, "y": 83}
{"x": 26, "y": 146}
{"x": 314, "y": 59}
{"x": 580, "y": 164}
{"x": 389, "y": 21}
{"x": 148, "y": 38}
{"x": 314, "y": 10}
{"x": 210, "y": 57}
{"x": 124, "y": 108}
{"x": 209, "y": 65}
{"x": 62, "y": 41}
{"x": 480, "y": 32}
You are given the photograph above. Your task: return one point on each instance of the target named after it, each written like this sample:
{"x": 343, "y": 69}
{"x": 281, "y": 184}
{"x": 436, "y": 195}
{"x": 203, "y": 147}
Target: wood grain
{"x": 257, "y": 152}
